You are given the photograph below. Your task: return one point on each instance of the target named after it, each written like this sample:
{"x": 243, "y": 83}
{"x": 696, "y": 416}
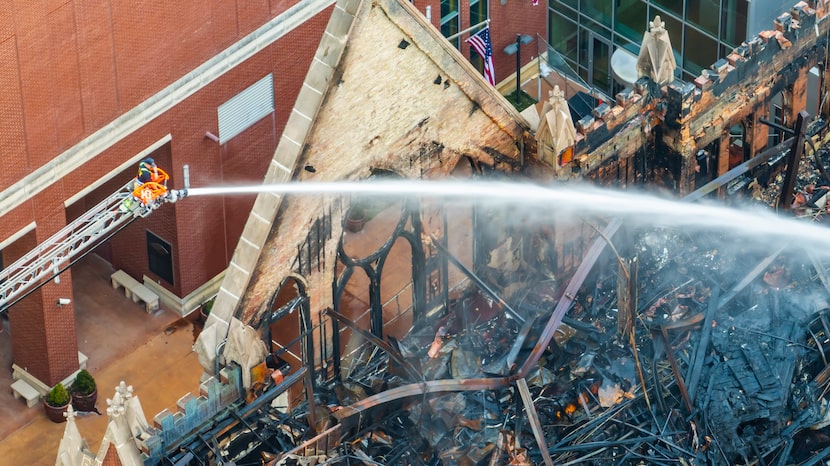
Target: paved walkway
{"x": 151, "y": 352}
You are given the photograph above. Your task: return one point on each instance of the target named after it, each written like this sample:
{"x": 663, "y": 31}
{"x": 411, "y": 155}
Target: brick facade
{"x": 74, "y": 69}
{"x": 71, "y": 71}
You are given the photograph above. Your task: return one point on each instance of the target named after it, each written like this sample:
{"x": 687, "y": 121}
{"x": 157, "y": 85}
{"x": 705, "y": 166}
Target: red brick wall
{"x": 117, "y": 65}
{"x": 44, "y": 338}
{"x": 515, "y": 17}
{"x": 72, "y": 68}
{"x": 121, "y": 53}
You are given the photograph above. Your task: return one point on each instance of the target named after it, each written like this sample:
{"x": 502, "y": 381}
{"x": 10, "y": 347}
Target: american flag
{"x": 480, "y": 42}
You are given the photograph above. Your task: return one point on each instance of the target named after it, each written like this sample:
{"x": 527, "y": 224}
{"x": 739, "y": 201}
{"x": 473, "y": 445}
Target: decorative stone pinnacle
{"x": 556, "y": 94}
{"x": 657, "y": 25}
{"x": 116, "y": 403}
{"x": 70, "y": 413}
{"x": 124, "y": 391}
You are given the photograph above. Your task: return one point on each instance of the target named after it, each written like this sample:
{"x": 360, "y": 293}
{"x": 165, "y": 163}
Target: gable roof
{"x": 383, "y": 87}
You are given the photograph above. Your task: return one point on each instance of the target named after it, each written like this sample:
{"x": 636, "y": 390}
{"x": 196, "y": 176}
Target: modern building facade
{"x": 91, "y": 88}
{"x": 587, "y": 33}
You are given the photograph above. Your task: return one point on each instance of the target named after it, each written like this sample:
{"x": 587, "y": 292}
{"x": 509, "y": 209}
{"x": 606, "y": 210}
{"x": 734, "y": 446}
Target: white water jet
{"x": 577, "y": 200}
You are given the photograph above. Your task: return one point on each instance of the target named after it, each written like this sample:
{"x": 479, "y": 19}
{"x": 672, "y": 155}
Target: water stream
{"x": 546, "y": 202}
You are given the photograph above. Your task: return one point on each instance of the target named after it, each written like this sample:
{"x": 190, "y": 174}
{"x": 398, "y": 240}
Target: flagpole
{"x": 483, "y": 23}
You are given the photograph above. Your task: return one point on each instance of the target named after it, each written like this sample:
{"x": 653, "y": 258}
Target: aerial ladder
{"x": 49, "y": 259}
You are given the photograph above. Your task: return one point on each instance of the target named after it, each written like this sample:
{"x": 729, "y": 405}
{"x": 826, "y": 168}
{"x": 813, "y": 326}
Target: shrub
{"x": 84, "y": 383}
{"x": 58, "y": 396}
{"x": 207, "y": 306}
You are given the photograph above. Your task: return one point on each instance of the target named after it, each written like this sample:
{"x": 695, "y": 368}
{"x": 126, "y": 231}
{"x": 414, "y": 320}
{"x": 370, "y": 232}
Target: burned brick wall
{"x": 652, "y": 134}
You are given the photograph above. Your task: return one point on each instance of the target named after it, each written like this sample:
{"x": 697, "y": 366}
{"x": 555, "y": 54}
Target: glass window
{"x": 598, "y": 10}
{"x": 562, "y": 35}
{"x": 478, "y": 11}
{"x": 584, "y": 44}
{"x": 448, "y": 8}
{"x": 701, "y": 51}
{"x": 733, "y": 16}
{"x": 478, "y": 14}
{"x": 630, "y": 20}
{"x": 450, "y": 27}
{"x": 703, "y": 14}
{"x": 571, "y": 3}
{"x": 596, "y": 28}
{"x": 675, "y": 6}
{"x": 600, "y": 62}
{"x": 633, "y": 47}
{"x": 449, "y": 19}
{"x": 725, "y": 50}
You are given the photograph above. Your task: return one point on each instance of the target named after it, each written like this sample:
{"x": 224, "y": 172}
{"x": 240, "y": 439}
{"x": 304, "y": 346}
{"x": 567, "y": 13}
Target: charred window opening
{"x": 311, "y": 253}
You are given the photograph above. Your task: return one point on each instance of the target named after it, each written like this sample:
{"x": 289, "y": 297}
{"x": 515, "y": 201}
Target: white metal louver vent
{"x": 246, "y": 108}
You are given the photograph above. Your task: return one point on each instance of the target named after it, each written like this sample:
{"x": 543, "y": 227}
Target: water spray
{"x": 576, "y": 200}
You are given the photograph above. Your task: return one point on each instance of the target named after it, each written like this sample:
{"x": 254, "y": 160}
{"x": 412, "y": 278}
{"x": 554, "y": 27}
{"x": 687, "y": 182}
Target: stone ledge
{"x": 20, "y": 373}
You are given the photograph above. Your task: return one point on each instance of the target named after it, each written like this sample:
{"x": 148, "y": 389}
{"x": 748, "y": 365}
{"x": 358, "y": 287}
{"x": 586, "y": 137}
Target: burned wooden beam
{"x": 568, "y": 297}
{"x": 681, "y": 385}
{"x": 752, "y": 275}
{"x": 734, "y": 173}
{"x": 421, "y": 388}
{"x": 786, "y": 198}
{"x": 703, "y": 346}
{"x": 533, "y": 417}
{"x": 478, "y": 281}
{"x": 518, "y": 343}
{"x": 392, "y": 352}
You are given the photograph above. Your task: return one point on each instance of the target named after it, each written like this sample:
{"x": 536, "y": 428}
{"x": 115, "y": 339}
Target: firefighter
{"x": 147, "y": 171}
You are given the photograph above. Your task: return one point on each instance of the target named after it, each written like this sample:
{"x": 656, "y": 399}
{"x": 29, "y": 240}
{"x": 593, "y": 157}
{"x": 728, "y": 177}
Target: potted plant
{"x": 84, "y": 392}
{"x": 206, "y": 307}
{"x": 55, "y": 403}
{"x": 356, "y": 218}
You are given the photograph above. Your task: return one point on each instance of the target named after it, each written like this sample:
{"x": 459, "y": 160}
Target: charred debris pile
{"x": 701, "y": 349}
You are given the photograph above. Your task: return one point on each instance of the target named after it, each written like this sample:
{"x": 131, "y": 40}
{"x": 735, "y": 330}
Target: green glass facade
{"x": 587, "y": 32}
{"x": 478, "y": 13}
{"x": 450, "y": 19}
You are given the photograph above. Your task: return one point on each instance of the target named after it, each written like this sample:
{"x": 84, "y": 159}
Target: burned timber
{"x": 495, "y": 333}
{"x": 661, "y": 346}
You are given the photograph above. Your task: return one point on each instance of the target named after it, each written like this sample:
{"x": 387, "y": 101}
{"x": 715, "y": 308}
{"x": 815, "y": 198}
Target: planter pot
{"x": 355, "y": 224}
{"x": 55, "y": 413}
{"x": 85, "y": 402}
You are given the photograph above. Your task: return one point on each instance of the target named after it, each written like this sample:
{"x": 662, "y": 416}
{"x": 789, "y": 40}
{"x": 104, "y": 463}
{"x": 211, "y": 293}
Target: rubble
{"x": 721, "y": 368}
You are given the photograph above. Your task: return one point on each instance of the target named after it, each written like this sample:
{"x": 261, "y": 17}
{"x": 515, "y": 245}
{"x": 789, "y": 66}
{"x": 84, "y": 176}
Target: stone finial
{"x": 556, "y": 95}
{"x": 126, "y": 391}
{"x": 115, "y": 405}
{"x": 657, "y": 26}
{"x": 70, "y": 414}
{"x": 656, "y": 59}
